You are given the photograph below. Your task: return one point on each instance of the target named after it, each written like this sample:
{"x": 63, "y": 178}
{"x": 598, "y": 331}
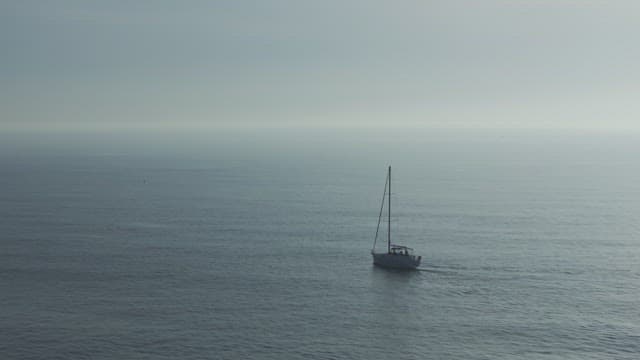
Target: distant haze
{"x": 458, "y": 64}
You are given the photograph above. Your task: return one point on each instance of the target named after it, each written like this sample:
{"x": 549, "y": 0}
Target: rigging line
{"x": 386, "y": 181}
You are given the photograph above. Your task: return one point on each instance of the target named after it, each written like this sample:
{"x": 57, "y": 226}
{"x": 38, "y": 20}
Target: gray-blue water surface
{"x": 257, "y": 247}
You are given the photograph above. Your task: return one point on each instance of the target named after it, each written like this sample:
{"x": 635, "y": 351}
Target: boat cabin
{"x": 400, "y": 250}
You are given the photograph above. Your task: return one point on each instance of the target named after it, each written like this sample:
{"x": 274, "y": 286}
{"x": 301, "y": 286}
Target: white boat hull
{"x": 396, "y": 261}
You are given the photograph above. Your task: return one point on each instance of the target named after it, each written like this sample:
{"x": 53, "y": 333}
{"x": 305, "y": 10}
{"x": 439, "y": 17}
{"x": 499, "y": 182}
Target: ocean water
{"x": 245, "y": 245}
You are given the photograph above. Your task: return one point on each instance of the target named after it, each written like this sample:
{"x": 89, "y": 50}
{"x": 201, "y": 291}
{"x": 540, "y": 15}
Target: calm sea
{"x": 248, "y": 245}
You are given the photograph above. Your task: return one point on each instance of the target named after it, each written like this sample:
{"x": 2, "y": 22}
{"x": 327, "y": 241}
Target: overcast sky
{"x": 491, "y": 63}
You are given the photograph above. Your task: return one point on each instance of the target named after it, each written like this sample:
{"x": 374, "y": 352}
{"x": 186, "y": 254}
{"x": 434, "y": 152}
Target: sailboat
{"x": 397, "y": 256}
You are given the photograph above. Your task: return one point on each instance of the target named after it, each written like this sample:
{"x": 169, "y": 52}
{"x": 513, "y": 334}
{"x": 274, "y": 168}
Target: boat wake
{"x": 435, "y": 271}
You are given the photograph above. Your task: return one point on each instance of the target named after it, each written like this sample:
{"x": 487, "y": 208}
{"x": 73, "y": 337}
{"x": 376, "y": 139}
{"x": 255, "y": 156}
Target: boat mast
{"x": 389, "y": 223}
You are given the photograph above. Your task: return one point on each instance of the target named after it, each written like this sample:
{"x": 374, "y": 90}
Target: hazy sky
{"x": 491, "y": 63}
